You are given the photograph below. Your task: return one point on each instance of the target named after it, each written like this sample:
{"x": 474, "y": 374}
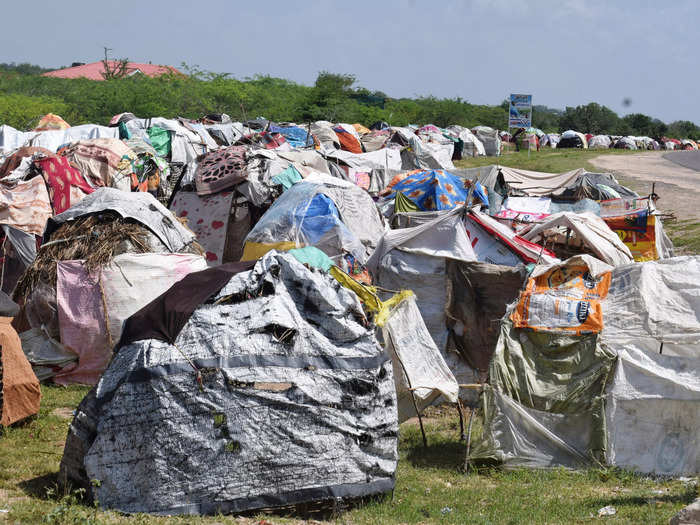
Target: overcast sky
{"x": 564, "y": 52}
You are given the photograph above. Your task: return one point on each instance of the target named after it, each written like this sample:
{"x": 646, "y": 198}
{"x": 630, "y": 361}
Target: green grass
{"x": 431, "y": 486}
{"x": 548, "y": 160}
{"x": 685, "y": 235}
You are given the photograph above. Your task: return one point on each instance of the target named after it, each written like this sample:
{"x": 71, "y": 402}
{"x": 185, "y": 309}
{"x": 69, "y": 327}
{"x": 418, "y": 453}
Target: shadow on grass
{"x": 441, "y": 454}
{"x": 688, "y": 496}
{"x": 42, "y": 487}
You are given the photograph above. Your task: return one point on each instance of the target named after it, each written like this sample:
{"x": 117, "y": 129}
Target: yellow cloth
{"x": 253, "y": 251}
{"x": 368, "y": 295}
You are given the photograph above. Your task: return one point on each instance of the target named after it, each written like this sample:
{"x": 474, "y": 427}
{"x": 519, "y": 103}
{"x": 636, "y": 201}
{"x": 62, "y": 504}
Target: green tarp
{"x": 160, "y": 140}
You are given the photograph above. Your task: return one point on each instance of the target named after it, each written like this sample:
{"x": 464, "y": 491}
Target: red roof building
{"x": 95, "y": 70}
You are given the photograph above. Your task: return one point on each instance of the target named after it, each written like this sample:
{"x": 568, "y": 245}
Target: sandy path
{"x": 678, "y": 187}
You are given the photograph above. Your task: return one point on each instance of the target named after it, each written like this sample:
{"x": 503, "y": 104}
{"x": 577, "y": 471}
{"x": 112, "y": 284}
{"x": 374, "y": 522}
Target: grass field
{"x": 550, "y": 160}
{"x": 431, "y": 485}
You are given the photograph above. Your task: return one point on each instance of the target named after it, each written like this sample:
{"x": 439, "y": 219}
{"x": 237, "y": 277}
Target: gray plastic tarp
{"x": 295, "y": 403}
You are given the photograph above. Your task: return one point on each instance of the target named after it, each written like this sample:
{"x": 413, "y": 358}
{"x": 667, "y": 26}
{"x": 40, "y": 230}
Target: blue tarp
{"x": 316, "y": 218}
{"x": 434, "y": 190}
{"x": 297, "y": 137}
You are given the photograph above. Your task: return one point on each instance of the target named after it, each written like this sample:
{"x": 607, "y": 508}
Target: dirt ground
{"x": 678, "y": 187}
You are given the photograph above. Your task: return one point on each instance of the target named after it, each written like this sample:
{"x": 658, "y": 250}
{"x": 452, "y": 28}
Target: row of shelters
{"x": 258, "y": 305}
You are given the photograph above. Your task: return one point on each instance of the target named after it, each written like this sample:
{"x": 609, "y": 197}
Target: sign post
{"x": 520, "y": 114}
{"x": 520, "y": 111}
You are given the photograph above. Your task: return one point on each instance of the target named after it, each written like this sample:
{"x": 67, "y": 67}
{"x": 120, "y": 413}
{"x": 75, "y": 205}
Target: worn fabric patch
{"x": 207, "y": 216}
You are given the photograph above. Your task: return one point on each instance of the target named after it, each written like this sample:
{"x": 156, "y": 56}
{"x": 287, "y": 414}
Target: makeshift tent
{"x": 374, "y": 140}
{"x": 472, "y": 146}
{"x": 92, "y": 307}
{"x": 229, "y": 411}
{"x": 436, "y": 190}
{"x": 568, "y": 234}
{"x": 102, "y": 226}
{"x": 625, "y": 143}
{"x": 416, "y": 258}
{"x": 324, "y": 135}
{"x": 380, "y": 166}
{"x": 20, "y": 394}
{"x": 635, "y": 221}
{"x": 51, "y": 122}
{"x": 490, "y": 139}
{"x": 331, "y": 214}
{"x": 599, "y": 142}
{"x": 598, "y": 387}
{"x": 596, "y": 186}
{"x": 100, "y": 161}
{"x": 572, "y": 139}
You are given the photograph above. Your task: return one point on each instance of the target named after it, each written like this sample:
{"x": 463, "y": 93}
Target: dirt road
{"x": 678, "y": 187}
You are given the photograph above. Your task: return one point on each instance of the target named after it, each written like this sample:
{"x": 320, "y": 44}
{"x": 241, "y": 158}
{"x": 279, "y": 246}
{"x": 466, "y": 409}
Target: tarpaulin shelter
{"x": 375, "y": 140}
{"x": 472, "y": 146}
{"x": 378, "y": 166}
{"x": 438, "y": 256}
{"x": 597, "y": 386}
{"x": 70, "y": 267}
{"x": 332, "y": 214}
{"x": 347, "y": 140}
{"x": 636, "y": 222}
{"x": 569, "y": 234}
{"x": 489, "y": 138}
{"x": 572, "y": 139}
{"x": 416, "y": 258}
{"x": 599, "y": 142}
{"x": 208, "y": 407}
{"x": 436, "y": 190}
{"x": 51, "y": 122}
{"x": 625, "y": 143}
{"x": 20, "y": 394}
{"x": 324, "y": 135}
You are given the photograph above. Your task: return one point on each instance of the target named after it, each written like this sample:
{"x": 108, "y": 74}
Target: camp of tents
{"x": 258, "y": 305}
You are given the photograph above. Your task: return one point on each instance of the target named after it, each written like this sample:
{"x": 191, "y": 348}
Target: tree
{"x": 681, "y": 129}
{"x": 591, "y": 118}
{"x": 330, "y": 97}
{"x": 118, "y": 69}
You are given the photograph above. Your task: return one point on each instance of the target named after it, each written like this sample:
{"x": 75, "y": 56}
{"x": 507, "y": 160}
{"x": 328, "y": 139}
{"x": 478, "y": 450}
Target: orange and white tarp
{"x": 565, "y": 298}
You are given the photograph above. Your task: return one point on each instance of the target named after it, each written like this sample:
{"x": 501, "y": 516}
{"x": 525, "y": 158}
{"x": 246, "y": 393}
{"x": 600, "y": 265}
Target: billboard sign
{"x": 520, "y": 111}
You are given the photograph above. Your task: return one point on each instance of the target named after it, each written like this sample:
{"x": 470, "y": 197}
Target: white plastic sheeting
{"x": 416, "y": 259}
{"x": 53, "y": 139}
{"x": 655, "y": 302}
{"x": 382, "y": 159}
{"x": 444, "y": 236}
{"x": 653, "y": 413}
{"x": 417, "y": 362}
